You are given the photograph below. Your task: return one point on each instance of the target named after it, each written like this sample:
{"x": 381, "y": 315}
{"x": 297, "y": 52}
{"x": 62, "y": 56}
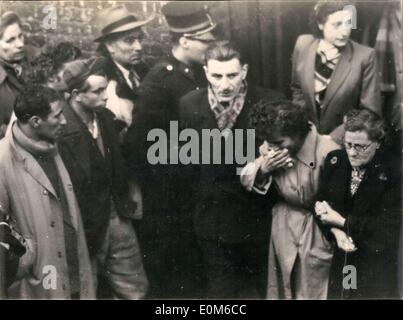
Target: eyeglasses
{"x": 357, "y": 147}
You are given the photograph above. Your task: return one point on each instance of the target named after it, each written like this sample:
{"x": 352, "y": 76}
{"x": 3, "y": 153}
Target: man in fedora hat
{"x": 165, "y": 230}
{"x": 120, "y": 41}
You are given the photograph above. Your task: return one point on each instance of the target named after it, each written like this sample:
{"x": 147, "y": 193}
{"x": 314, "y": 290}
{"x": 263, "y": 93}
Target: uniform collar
{"x": 185, "y": 69}
{"x": 308, "y": 150}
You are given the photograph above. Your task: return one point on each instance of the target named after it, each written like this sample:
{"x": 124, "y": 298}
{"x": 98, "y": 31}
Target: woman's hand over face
{"x": 274, "y": 158}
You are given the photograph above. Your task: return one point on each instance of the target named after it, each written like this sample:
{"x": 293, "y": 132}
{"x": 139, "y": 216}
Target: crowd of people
{"x": 85, "y": 215}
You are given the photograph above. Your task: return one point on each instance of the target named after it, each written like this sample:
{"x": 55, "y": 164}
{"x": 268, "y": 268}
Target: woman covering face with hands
{"x": 291, "y": 156}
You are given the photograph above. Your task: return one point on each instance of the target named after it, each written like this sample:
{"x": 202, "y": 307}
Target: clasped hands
{"x": 326, "y": 214}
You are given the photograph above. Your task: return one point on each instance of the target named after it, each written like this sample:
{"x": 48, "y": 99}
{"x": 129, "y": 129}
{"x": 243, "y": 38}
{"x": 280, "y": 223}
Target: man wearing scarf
{"x": 229, "y": 225}
{"x": 37, "y": 194}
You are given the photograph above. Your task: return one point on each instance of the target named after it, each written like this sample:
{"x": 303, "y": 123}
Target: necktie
{"x": 134, "y": 79}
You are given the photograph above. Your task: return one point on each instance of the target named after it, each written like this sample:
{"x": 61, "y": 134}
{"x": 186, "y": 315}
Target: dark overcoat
{"x": 372, "y": 220}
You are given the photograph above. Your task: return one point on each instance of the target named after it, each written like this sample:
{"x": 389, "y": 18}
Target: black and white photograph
{"x": 201, "y": 150}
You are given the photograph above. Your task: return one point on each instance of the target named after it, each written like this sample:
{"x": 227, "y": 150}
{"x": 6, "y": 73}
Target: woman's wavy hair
{"x": 322, "y": 10}
{"x": 278, "y": 117}
{"x": 363, "y": 119}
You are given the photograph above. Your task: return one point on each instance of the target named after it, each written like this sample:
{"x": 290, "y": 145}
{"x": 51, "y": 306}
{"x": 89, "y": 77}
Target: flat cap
{"x": 76, "y": 72}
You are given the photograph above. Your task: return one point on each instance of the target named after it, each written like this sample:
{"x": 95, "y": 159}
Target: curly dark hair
{"x": 322, "y": 10}
{"x": 41, "y": 69}
{"x": 363, "y": 119}
{"x": 65, "y": 52}
{"x": 35, "y": 100}
{"x": 278, "y": 117}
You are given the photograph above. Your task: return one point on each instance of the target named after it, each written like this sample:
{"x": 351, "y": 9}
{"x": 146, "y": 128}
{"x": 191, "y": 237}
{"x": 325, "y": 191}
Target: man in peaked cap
{"x": 120, "y": 41}
{"x": 165, "y": 232}
{"x": 91, "y": 151}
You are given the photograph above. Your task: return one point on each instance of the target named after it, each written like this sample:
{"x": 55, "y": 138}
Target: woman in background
{"x": 332, "y": 74}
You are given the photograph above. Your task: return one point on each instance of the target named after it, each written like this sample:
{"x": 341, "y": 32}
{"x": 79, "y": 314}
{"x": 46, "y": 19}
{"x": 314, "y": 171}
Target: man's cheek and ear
{"x": 245, "y": 69}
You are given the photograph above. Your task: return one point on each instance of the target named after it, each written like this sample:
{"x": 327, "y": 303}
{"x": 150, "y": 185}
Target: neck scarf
{"x": 226, "y": 115}
{"x": 357, "y": 175}
{"x": 327, "y": 57}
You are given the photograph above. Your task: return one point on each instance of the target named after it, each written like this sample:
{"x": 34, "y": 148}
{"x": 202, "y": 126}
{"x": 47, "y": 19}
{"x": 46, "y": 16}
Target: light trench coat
{"x": 296, "y": 240}
{"x": 27, "y": 195}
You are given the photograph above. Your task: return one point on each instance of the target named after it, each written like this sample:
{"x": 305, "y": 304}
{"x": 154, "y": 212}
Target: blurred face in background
{"x": 12, "y": 44}
{"x": 226, "y": 78}
{"x": 337, "y": 28}
{"x": 360, "y": 149}
{"x": 127, "y": 50}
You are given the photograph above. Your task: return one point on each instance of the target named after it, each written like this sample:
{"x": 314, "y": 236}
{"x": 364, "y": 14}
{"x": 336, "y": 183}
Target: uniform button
{"x": 197, "y": 88}
{"x": 170, "y": 67}
{"x": 59, "y": 254}
{"x": 186, "y": 70}
{"x": 52, "y": 224}
{"x": 45, "y": 192}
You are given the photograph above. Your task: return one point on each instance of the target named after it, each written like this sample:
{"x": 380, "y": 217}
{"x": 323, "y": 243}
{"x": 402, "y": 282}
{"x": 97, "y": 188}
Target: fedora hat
{"x": 115, "y": 20}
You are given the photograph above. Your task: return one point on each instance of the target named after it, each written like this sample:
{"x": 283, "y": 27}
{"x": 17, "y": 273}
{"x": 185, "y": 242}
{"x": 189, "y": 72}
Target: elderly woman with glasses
{"x": 360, "y": 206}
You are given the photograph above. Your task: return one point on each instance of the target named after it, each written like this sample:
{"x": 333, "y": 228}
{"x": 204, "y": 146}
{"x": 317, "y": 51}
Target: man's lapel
{"x": 77, "y": 139}
{"x": 35, "y": 170}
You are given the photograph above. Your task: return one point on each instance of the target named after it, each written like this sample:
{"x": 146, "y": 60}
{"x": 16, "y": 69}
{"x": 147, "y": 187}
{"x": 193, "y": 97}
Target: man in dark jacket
{"x": 168, "y": 265}
{"x": 91, "y": 151}
{"x": 231, "y": 226}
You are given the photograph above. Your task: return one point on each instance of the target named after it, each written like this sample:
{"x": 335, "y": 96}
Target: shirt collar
{"x": 126, "y": 73}
{"x": 308, "y": 150}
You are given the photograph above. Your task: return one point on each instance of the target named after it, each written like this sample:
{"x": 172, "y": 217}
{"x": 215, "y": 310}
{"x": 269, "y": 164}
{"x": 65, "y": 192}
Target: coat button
{"x": 59, "y": 254}
{"x": 186, "y": 70}
{"x": 52, "y": 224}
{"x": 45, "y": 192}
